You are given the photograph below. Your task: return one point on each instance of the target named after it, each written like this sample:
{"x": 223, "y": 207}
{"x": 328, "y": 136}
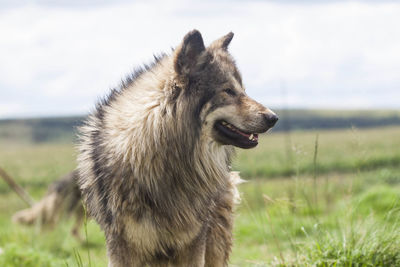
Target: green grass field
{"x": 313, "y": 198}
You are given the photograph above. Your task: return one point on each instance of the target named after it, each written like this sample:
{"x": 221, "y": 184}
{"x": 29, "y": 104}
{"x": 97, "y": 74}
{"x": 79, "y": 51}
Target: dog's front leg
{"x": 121, "y": 254}
{"x": 192, "y": 256}
{"x": 219, "y": 236}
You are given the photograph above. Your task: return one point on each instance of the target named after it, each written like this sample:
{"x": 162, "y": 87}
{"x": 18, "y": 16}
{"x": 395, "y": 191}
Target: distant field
{"x": 336, "y": 203}
{"x": 63, "y": 129}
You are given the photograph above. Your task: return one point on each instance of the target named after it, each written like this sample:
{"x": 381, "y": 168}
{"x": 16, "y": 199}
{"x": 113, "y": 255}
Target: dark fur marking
{"x": 223, "y": 221}
{"x": 105, "y": 101}
{"x": 216, "y": 106}
{"x": 109, "y": 217}
{"x": 168, "y": 253}
{"x": 175, "y": 93}
{"x": 98, "y": 169}
{"x": 174, "y": 97}
{"x": 174, "y": 110}
{"x": 205, "y": 98}
{"x": 138, "y": 213}
{"x": 145, "y": 196}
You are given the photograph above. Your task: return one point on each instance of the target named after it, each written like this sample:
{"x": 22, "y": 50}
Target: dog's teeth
{"x": 251, "y": 137}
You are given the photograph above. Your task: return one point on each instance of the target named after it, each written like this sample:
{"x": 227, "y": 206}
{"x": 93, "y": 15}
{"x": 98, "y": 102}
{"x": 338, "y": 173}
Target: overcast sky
{"x": 58, "y": 58}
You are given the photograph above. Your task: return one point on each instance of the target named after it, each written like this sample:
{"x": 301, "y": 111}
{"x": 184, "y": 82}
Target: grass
{"x": 331, "y": 203}
{"x": 281, "y": 216}
{"x": 339, "y": 150}
{"x": 366, "y": 244}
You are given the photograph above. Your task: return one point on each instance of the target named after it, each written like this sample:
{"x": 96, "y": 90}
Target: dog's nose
{"x": 271, "y": 119}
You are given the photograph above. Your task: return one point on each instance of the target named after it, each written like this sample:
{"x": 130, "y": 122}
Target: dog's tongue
{"x": 252, "y": 137}
{"x": 248, "y": 136}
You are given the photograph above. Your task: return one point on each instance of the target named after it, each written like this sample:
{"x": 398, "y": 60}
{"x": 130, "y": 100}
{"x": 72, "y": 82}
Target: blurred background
{"x": 323, "y": 187}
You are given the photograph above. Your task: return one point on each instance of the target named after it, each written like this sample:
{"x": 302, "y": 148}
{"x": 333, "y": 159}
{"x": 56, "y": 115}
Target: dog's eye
{"x": 229, "y": 91}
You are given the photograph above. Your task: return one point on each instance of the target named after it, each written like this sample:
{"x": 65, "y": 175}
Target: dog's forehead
{"x": 228, "y": 67}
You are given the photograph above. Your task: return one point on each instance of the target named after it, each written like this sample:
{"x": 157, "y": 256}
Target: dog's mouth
{"x": 229, "y": 134}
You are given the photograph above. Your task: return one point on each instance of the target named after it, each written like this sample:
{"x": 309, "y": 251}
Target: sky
{"x": 57, "y": 58}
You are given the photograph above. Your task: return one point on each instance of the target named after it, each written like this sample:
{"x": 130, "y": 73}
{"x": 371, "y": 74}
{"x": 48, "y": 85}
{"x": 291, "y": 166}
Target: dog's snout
{"x": 270, "y": 119}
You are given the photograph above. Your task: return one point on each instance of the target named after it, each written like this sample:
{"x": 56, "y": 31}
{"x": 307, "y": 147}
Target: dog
{"x": 154, "y": 157}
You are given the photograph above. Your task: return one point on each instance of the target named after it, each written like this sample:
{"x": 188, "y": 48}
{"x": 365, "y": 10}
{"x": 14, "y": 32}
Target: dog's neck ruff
{"x": 145, "y": 144}
{"x": 160, "y": 139}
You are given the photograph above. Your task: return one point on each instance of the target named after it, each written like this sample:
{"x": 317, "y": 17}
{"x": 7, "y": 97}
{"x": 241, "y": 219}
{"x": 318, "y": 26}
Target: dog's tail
{"x": 63, "y": 197}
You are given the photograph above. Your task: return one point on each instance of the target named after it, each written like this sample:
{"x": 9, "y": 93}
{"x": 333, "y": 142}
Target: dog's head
{"x": 213, "y": 87}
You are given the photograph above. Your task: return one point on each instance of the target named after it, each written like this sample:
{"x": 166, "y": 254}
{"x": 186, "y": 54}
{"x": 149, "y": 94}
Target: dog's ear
{"x": 222, "y": 42}
{"x": 188, "y": 52}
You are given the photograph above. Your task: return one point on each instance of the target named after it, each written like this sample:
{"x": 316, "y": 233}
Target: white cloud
{"x": 10, "y": 109}
{"x": 65, "y": 58}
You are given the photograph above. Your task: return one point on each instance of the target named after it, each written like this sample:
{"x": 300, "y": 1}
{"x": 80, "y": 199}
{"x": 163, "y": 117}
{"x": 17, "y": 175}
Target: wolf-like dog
{"x": 154, "y": 157}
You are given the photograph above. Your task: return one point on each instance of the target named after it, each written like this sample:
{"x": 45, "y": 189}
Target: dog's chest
{"x": 150, "y": 237}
